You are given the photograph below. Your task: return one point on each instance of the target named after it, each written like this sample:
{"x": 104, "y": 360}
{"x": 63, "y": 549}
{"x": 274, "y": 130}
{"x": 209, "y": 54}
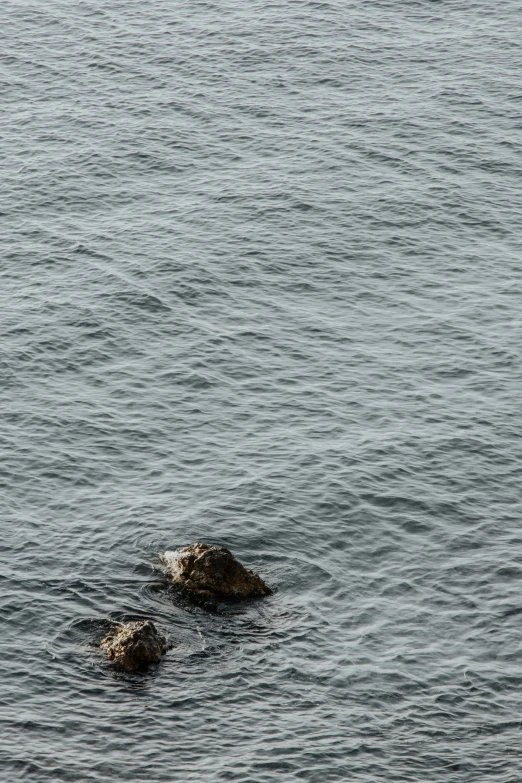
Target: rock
{"x": 134, "y": 645}
{"x": 207, "y": 573}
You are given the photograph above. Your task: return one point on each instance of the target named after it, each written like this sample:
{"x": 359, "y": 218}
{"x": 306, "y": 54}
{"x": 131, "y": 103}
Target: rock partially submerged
{"x": 134, "y": 646}
{"x": 207, "y": 573}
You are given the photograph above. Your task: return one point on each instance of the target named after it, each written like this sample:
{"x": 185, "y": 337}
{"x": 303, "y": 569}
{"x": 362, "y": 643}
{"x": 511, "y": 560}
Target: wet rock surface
{"x": 206, "y": 573}
{"x": 135, "y": 645}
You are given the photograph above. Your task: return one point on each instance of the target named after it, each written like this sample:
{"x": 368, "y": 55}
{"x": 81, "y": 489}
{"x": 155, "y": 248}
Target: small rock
{"x": 206, "y": 572}
{"x": 134, "y": 645}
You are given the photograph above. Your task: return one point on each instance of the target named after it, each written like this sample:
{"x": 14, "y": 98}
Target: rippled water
{"x": 260, "y": 286}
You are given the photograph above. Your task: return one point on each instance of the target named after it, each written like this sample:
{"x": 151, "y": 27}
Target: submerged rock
{"x": 207, "y": 573}
{"x": 134, "y": 645}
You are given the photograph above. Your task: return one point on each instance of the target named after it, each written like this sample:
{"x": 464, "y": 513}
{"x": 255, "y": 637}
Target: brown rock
{"x": 134, "y": 645}
{"x": 206, "y": 572}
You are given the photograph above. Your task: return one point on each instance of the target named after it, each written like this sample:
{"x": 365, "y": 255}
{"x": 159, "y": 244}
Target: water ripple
{"x": 260, "y": 287}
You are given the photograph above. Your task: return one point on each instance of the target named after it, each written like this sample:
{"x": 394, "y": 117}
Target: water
{"x": 260, "y": 286}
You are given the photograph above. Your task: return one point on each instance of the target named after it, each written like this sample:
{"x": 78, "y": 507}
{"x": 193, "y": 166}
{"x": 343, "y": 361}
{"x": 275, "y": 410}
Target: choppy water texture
{"x": 260, "y": 286}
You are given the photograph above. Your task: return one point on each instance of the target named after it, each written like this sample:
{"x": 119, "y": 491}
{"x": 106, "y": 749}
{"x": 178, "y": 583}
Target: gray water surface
{"x": 260, "y": 286}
